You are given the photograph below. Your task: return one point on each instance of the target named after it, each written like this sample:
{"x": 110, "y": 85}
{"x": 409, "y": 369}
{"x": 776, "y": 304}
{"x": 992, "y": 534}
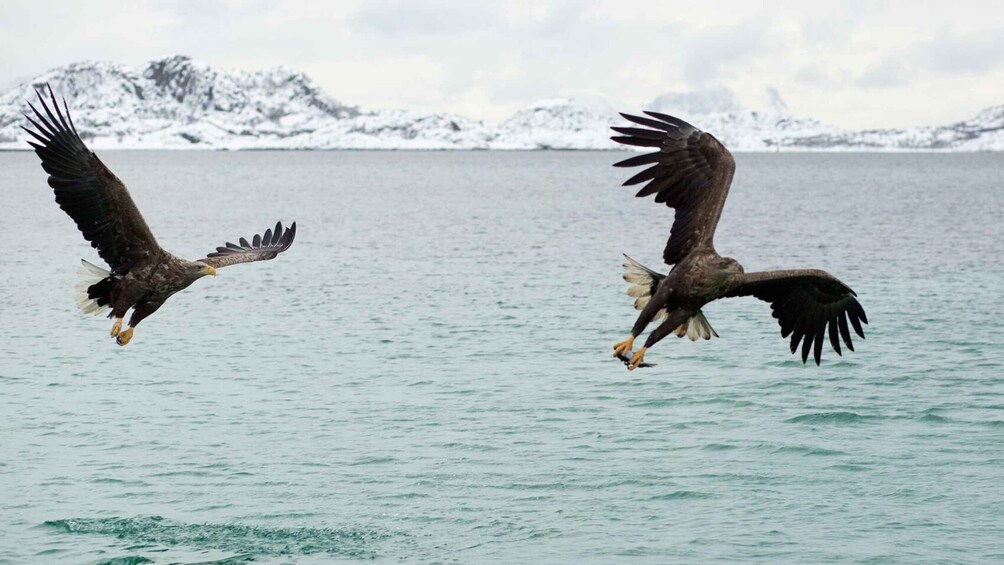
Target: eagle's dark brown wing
{"x": 691, "y": 172}
{"x": 86, "y": 190}
{"x": 807, "y": 303}
{"x": 260, "y": 248}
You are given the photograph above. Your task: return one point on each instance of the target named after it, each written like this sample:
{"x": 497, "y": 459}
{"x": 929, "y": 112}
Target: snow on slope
{"x": 176, "y": 102}
{"x": 559, "y": 123}
{"x": 985, "y": 132}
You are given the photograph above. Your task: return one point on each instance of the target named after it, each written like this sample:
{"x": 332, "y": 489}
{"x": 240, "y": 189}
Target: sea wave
{"x": 238, "y": 538}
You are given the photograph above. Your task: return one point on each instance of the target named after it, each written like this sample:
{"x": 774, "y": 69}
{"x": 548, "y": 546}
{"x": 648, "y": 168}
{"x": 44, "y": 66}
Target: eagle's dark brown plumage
{"x": 143, "y": 275}
{"x": 692, "y": 172}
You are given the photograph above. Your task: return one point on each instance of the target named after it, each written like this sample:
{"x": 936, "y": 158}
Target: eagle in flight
{"x": 143, "y": 275}
{"x": 691, "y": 171}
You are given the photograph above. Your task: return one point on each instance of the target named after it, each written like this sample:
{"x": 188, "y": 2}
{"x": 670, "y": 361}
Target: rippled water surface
{"x": 426, "y": 375}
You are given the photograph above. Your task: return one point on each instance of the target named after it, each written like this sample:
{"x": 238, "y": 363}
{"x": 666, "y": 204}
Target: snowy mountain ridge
{"x": 176, "y": 102}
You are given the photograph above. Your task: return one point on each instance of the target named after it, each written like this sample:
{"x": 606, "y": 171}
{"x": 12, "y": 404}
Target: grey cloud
{"x": 713, "y": 52}
{"x": 403, "y": 17}
{"x": 887, "y": 74}
{"x": 812, "y": 76}
{"x": 947, "y": 52}
{"x": 973, "y": 52}
{"x": 833, "y": 22}
{"x": 562, "y": 17}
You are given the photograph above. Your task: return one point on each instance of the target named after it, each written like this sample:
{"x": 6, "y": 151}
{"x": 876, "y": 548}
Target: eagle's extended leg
{"x": 142, "y": 310}
{"x": 675, "y": 318}
{"x": 118, "y": 312}
{"x": 658, "y": 301}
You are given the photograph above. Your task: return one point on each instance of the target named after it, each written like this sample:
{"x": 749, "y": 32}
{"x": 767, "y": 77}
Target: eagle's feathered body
{"x": 146, "y": 286}
{"x": 692, "y": 173}
{"x": 142, "y": 274}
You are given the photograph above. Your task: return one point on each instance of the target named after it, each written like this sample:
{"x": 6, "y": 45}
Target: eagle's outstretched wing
{"x": 86, "y": 190}
{"x": 691, "y": 172}
{"x": 260, "y": 248}
{"x": 807, "y": 304}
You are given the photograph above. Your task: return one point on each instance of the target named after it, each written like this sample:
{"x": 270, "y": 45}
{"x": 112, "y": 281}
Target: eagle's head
{"x": 732, "y": 266}
{"x": 200, "y": 269}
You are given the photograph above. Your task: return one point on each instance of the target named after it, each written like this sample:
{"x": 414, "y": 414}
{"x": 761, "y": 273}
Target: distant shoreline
{"x": 790, "y": 151}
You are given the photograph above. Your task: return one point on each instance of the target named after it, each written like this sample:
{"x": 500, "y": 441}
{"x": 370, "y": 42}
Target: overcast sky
{"x": 853, "y": 64}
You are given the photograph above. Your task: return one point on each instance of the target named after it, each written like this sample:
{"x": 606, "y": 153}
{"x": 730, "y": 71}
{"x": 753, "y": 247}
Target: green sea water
{"x": 425, "y": 376}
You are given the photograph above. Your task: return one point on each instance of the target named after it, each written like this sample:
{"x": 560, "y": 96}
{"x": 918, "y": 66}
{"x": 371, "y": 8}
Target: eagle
{"x": 691, "y": 171}
{"x": 141, "y": 274}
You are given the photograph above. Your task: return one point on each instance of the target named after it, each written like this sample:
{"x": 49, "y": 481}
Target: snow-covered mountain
{"x": 559, "y": 123}
{"x": 176, "y": 102}
{"x": 180, "y": 103}
{"x": 985, "y": 132}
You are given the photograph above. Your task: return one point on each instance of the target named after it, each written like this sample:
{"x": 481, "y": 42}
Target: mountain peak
{"x": 181, "y": 78}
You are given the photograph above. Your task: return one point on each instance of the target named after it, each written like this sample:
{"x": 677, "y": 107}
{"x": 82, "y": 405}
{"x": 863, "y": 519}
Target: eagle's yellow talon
{"x": 124, "y": 337}
{"x": 117, "y": 328}
{"x": 624, "y": 347}
{"x": 637, "y": 359}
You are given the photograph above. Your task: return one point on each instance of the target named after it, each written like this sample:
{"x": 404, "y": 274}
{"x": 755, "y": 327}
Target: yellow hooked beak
{"x": 211, "y": 271}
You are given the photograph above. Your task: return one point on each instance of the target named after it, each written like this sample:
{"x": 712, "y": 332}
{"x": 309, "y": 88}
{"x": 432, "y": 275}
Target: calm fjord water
{"x": 426, "y": 375}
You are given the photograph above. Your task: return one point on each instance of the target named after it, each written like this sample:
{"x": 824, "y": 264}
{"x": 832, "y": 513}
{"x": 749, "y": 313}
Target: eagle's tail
{"x": 696, "y": 327}
{"x": 94, "y": 288}
{"x": 643, "y": 284}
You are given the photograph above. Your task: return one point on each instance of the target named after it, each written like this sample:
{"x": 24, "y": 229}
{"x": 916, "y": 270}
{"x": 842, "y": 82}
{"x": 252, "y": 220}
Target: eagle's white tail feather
{"x": 88, "y": 275}
{"x": 696, "y": 327}
{"x": 641, "y": 282}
